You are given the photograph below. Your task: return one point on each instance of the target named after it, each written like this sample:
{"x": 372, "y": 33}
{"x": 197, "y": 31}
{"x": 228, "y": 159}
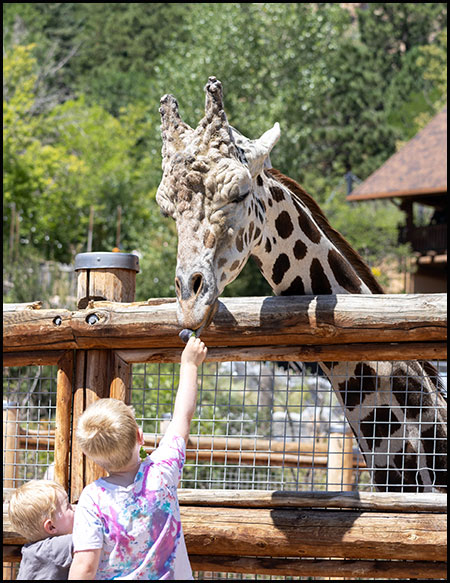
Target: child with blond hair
{"x": 39, "y": 510}
{"x": 127, "y": 525}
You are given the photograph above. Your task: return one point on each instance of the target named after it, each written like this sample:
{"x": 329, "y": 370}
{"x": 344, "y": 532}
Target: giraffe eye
{"x": 241, "y": 197}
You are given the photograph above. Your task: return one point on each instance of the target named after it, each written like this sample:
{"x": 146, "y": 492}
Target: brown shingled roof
{"x": 418, "y": 168}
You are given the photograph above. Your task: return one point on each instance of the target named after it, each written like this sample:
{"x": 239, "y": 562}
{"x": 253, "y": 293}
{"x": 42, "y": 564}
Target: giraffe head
{"x": 208, "y": 184}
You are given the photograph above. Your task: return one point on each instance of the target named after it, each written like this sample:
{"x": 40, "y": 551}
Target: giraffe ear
{"x": 258, "y": 156}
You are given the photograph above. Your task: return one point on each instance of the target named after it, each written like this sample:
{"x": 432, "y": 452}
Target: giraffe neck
{"x": 299, "y": 252}
{"x": 394, "y": 409}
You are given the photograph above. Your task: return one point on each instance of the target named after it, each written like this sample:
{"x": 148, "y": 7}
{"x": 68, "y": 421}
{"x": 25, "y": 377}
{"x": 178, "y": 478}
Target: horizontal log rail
{"x": 204, "y": 442}
{"x": 333, "y": 352}
{"x": 349, "y": 534}
{"x": 370, "y": 501}
{"x": 243, "y": 451}
{"x": 264, "y": 326}
{"x": 374, "y": 501}
{"x": 268, "y": 532}
{"x": 247, "y": 451}
{"x": 323, "y": 569}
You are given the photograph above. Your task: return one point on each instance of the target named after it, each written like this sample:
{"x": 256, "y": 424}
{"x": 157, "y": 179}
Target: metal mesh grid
{"x": 258, "y": 425}
{"x": 29, "y": 408}
{"x": 262, "y": 425}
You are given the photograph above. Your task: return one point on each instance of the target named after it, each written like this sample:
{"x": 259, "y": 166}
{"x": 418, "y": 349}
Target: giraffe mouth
{"x": 192, "y": 319}
{"x": 208, "y": 318}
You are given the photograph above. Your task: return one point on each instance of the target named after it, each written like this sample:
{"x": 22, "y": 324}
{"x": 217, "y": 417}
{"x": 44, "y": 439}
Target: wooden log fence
{"x": 303, "y": 327}
{"x": 319, "y": 534}
{"x": 287, "y": 533}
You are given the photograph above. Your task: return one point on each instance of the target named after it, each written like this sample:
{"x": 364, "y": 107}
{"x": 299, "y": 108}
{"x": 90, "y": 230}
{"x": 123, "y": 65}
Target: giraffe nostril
{"x": 197, "y": 281}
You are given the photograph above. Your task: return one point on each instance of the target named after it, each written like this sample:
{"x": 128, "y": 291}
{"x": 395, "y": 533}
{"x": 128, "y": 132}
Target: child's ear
{"x": 140, "y": 435}
{"x": 49, "y": 527}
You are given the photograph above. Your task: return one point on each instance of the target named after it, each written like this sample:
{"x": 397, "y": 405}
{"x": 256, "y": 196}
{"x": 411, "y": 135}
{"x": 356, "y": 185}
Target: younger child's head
{"x": 108, "y": 433}
{"x": 39, "y": 509}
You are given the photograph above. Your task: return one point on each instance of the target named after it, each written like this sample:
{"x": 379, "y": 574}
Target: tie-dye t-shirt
{"x": 137, "y": 527}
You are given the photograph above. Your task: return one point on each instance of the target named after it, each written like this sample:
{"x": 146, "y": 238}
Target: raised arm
{"x": 192, "y": 357}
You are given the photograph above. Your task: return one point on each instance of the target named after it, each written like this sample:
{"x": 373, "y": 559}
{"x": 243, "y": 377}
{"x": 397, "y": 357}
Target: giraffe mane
{"x": 335, "y": 237}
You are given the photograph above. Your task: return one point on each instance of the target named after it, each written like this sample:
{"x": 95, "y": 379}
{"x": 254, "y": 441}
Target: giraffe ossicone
{"x": 229, "y": 204}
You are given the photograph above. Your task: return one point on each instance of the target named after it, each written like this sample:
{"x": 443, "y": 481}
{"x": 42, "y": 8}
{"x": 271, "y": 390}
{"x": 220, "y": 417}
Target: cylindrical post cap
{"x": 107, "y": 260}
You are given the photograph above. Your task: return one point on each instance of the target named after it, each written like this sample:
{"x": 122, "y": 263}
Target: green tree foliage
{"x": 59, "y": 164}
{"x": 35, "y": 171}
{"x": 82, "y": 83}
{"x": 117, "y": 54}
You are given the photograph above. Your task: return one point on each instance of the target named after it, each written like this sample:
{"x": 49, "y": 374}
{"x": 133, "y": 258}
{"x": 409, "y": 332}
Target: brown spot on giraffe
{"x": 436, "y": 454}
{"x": 277, "y": 193}
{"x": 319, "y": 281}
{"x": 240, "y": 240}
{"x": 300, "y": 249}
{"x": 261, "y": 204}
{"x": 234, "y": 265}
{"x": 295, "y": 289}
{"x": 388, "y": 480}
{"x": 356, "y": 388}
{"x": 344, "y": 275}
{"x": 280, "y": 267}
{"x": 283, "y": 225}
{"x": 379, "y": 418}
{"x": 308, "y": 227}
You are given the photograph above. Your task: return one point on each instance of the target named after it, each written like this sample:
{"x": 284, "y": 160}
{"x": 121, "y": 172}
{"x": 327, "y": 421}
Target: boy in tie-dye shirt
{"x": 127, "y": 525}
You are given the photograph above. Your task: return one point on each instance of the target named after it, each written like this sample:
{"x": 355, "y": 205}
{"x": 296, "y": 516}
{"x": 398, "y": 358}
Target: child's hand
{"x": 194, "y": 352}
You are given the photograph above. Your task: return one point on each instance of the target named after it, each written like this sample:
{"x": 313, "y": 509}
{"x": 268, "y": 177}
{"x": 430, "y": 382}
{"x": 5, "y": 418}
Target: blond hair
{"x": 107, "y": 433}
{"x": 31, "y": 505}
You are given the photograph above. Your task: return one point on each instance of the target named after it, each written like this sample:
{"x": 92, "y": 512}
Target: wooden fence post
{"x": 10, "y": 460}
{"x": 10, "y": 444}
{"x": 63, "y": 415}
{"x": 106, "y": 276}
{"x": 340, "y": 460}
{"x": 98, "y": 373}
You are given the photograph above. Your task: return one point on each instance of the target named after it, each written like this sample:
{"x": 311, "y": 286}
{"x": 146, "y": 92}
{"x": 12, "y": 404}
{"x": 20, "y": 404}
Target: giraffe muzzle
{"x": 196, "y": 299}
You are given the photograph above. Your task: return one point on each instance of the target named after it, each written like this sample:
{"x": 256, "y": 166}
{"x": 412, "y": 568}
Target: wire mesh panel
{"x": 29, "y": 408}
{"x": 266, "y": 425}
{"x": 259, "y": 425}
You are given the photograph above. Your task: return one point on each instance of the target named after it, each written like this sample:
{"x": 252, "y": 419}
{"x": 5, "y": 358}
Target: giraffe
{"x": 229, "y": 204}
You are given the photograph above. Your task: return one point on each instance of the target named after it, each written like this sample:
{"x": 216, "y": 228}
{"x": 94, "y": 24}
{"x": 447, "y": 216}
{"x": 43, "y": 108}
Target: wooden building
{"x": 416, "y": 177}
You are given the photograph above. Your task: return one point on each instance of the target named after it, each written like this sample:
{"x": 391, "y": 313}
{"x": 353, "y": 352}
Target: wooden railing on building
{"x": 426, "y": 238}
